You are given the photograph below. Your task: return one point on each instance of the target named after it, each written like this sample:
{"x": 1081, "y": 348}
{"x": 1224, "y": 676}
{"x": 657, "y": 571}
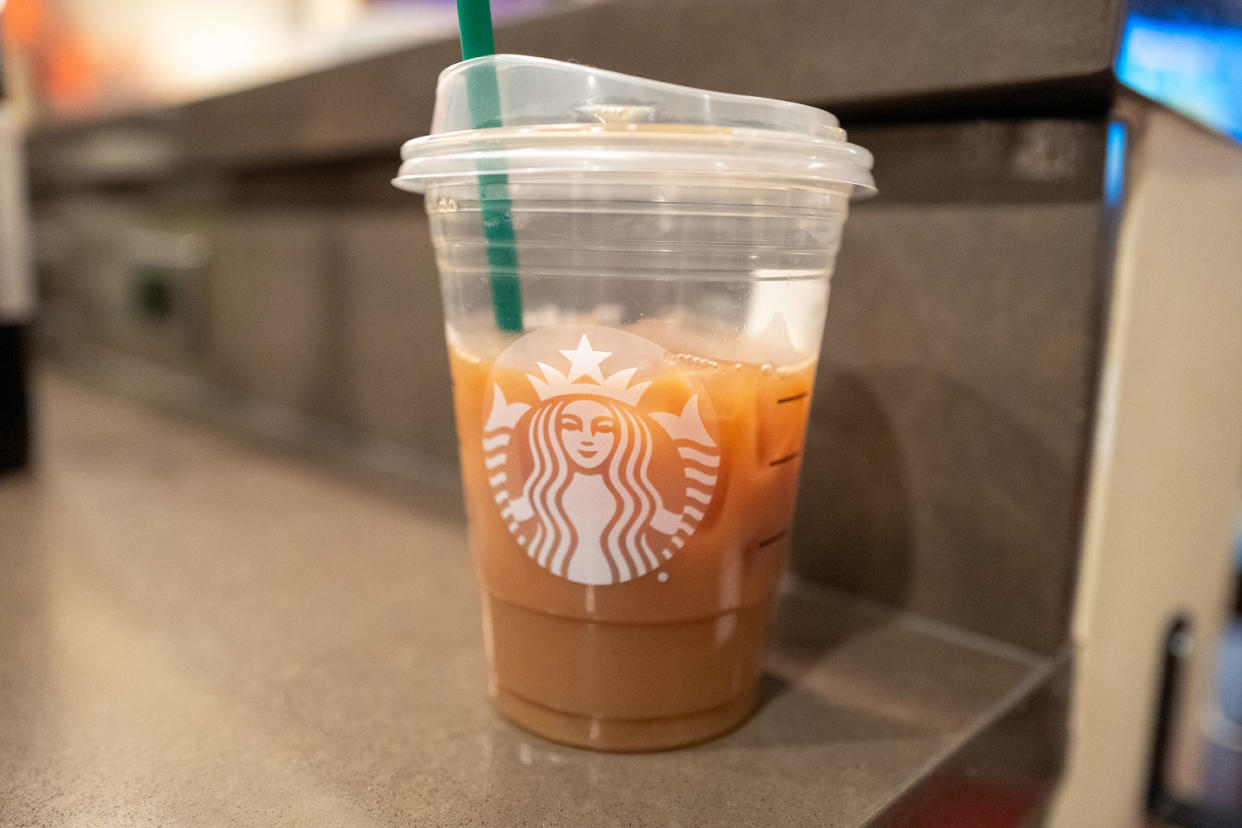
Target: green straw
{"x": 474, "y": 18}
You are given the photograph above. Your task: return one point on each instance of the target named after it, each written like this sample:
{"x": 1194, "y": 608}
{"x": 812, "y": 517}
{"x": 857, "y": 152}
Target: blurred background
{"x": 1027, "y": 431}
{"x": 86, "y": 58}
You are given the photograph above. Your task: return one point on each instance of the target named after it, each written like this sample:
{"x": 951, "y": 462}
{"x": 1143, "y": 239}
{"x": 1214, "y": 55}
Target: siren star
{"x": 584, "y": 361}
{"x": 585, "y": 377}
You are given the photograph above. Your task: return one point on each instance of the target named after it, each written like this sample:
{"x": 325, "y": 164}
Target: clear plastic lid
{"x": 531, "y": 116}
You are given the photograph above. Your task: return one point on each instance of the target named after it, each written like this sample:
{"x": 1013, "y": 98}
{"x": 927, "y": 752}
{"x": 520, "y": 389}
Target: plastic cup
{"x": 630, "y": 457}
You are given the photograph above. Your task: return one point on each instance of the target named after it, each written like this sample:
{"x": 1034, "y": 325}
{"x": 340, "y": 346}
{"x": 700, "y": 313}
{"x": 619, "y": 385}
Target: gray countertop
{"x": 197, "y": 629}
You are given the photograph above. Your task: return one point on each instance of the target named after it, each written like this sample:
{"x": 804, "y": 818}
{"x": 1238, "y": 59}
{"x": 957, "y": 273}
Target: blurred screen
{"x": 1193, "y": 66}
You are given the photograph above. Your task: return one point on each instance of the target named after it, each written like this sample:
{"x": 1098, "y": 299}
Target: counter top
{"x": 199, "y": 629}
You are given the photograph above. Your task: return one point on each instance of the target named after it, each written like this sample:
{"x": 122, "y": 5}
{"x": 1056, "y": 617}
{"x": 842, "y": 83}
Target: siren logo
{"x": 601, "y": 452}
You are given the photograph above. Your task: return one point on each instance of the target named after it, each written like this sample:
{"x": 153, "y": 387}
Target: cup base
{"x": 625, "y": 735}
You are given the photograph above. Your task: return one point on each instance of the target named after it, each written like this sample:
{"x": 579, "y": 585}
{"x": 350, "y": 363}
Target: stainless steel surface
{"x": 194, "y": 630}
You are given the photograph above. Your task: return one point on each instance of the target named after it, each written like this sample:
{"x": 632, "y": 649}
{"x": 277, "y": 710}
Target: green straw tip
{"x": 474, "y": 21}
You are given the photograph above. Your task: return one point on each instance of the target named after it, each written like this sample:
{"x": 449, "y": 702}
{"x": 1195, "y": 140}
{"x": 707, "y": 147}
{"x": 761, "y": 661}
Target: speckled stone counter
{"x": 199, "y": 630}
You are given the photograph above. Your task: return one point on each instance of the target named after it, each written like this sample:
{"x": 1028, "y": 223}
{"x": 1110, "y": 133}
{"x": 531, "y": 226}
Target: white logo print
{"x": 600, "y": 477}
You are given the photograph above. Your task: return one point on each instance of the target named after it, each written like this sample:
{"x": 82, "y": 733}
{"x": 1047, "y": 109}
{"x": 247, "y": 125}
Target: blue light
{"x": 1195, "y": 68}
{"x": 1115, "y": 163}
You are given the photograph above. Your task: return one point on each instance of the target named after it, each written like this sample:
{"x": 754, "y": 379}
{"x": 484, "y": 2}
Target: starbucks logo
{"x": 601, "y": 452}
